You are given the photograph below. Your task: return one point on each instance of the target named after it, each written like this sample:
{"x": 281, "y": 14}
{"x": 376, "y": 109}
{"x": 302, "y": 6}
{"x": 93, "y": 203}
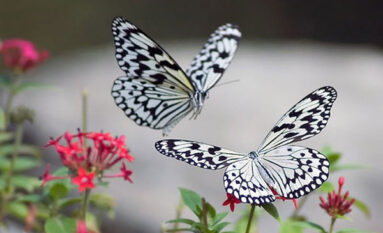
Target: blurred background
{"x": 289, "y": 49}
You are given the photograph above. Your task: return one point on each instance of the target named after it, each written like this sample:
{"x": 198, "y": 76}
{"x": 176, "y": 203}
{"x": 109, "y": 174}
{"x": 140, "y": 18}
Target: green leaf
{"x": 23, "y": 150}
{"x": 334, "y": 157}
{"x": 2, "y": 119}
{"x": 26, "y": 182}
{"x": 60, "y": 225}
{"x": 181, "y": 220}
{"x": 352, "y": 230}
{"x": 180, "y": 230}
{"x": 241, "y": 224}
{"x": 218, "y": 218}
{"x": 30, "y": 85}
{"x": 63, "y": 171}
{"x": 18, "y": 209}
{"x": 288, "y": 227}
{"x": 63, "y": 203}
{"x": 361, "y": 206}
{"x": 91, "y": 223}
{"x": 305, "y": 225}
{"x": 5, "y": 136}
{"x": 344, "y": 217}
{"x": 191, "y": 200}
{"x": 34, "y": 198}
{"x": 105, "y": 202}
{"x": 272, "y": 210}
{"x": 342, "y": 167}
{"x": 326, "y": 187}
{"x": 58, "y": 191}
{"x": 219, "y": 227}
{"x": 21, "y": 164}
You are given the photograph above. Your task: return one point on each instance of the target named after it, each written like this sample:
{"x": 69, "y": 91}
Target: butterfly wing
{"x": 295, "y": 171}
{"x": 198, "y": 154}
{"x": 209, "y": 65}
{"x": 304, "y": 120}
{"x": 243, "y": 180}
{"x": 153, "y": 82}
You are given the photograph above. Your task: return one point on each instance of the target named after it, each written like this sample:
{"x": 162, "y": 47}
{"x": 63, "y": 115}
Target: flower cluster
{"x": 103, "y": 152}
{"x": 337, "y": 204}
{"x": 21, "y": 55}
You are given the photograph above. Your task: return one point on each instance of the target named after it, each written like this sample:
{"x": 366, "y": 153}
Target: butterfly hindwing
{"x": 304, "y": 120}
{"x": 211, "y": 62}
{"x": 243, "y": 180}
{"x": 295, "y": 171}
{"x": 198, "y": 154}
{"x": 148, "y": 104}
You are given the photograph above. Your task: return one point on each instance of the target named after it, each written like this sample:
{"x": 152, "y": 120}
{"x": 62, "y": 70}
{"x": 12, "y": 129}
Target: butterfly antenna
{"x": 228, "y": 82}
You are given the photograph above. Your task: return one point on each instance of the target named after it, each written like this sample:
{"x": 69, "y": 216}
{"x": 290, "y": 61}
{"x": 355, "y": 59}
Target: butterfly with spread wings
{"x": 156, "y": 92}
{"x": 275, "y": 167}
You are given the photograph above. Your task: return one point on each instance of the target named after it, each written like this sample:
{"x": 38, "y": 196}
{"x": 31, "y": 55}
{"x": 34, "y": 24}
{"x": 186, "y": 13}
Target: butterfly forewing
{"x": 304, "y": 120}
{"x": 243, "y": 180}
{"x": 211, "y": 62}
{"x": 156, "y": 92}
{"x": 198, "y": 154}
{"x": 294, "y": 170}
{"x": 140, "y": 56}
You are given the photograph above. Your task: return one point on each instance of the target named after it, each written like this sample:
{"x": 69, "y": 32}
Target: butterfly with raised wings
{"x": 290, "y": 171}
{"x": 156, "y": 92}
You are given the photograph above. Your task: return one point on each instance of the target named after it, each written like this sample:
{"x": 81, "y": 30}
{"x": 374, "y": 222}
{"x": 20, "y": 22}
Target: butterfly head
{"x": 198, "y": 99}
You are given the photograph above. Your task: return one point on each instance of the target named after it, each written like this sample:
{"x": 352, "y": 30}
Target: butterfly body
{"x": 156, "y": 92}
{"x": 276, "y": 167}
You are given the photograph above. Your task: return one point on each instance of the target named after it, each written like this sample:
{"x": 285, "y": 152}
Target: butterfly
{"x": 156, "y": 92}
{"x": 275, "y": 167}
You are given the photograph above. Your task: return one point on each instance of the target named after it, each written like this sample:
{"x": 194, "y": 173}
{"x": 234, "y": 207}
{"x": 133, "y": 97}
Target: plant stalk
{"x": 11, "y": 97}
{"x": 250, "y": 218}
{"x": 84, "y": 110}
{"x": 84, "y": 204}
{"x": 7, "y": 193}
{"x": 204, "y": 212}
{"x": 332, "y": 224}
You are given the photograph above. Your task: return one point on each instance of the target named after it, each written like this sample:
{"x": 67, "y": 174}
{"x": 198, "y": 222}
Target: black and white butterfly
{"x": 156, "y": 92}
{"x": 290, "y": 171}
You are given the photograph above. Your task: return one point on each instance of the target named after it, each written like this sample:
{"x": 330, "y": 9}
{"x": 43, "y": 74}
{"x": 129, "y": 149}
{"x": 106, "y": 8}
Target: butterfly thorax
{"x": 197, "y": 100}
{"x": 253, "y": 155}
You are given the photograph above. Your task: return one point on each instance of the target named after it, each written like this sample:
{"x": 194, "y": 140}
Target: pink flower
{"x": 337, "y": 203}
{"x": 81, "y": 227}
{"x": 84, "y": 180}
{"x": 231, "y": 200}
{"x": 21, "y": 55}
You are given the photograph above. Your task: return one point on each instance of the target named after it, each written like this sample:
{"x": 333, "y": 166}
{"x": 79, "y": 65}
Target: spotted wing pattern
{"x": 209, "y": 65}
{"x": 294, "y": 171}
{"x": 155, "y": 92}
{"x": 243, "y": 180}
{"x": 304, "y": 120}
{"x": 198, "y": 154}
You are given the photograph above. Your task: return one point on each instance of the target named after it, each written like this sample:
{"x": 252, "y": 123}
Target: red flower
{"x": 21, "y": 55}
{"x": 124, "y": 173}
{"x": 84, "y": 180}
{"x": 231, "y": 200}
{"x": 277, "y": 196}
{"x": 337, "y": 204}
{"x": 48, "y": 177}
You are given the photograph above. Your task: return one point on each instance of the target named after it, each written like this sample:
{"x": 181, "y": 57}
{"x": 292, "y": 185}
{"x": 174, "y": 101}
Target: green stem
{"x": 250, "y": 218}
{"x": 204, "y": 213}
{"x": 178, "y": 213}
{"x": 11, "y": 97}
{"x": 84, "y": 110}
{"x": 332, "y": 225}
{"x": 84, "y": 204}
{"x": 7, "y": 193}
